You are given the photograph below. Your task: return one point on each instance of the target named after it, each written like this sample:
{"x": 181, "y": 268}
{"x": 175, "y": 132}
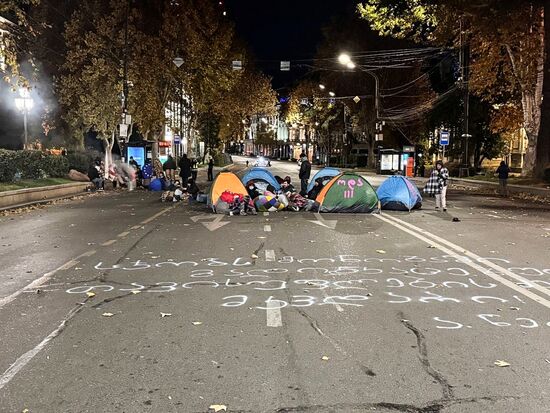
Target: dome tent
{"x": 327, "y": 173}
{"x": 399, "y": 194}
{"x": 225, "y": 181}
{"x": 261, "y": 174}
{"x": 348, "y": 193}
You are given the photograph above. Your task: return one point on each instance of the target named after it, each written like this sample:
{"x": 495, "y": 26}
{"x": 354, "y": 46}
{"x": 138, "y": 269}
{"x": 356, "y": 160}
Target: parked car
{"x": 262, "y": 161}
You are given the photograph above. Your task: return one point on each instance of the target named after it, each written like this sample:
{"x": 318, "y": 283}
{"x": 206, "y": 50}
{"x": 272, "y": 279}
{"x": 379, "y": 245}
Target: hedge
{"x": 31, "y": 165}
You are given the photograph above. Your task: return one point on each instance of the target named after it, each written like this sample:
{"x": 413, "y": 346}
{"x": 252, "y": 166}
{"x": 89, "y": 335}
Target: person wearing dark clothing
{"x": 503, "y": 171}
{"x": 192, "y": 189}
{"x": 286, "y": 186}
{"x": 185, "y": 169}
{"x": 211, "y": 169}
{"x": 95, "y": 177}
{"x": 194, "y": 169}
{"x": 133, "y": 162}
{"x": 253, "y": 192}
{"x": 305, "y": 173}
{"x": 317, "y": 188}
{"x": 169, "y": 168}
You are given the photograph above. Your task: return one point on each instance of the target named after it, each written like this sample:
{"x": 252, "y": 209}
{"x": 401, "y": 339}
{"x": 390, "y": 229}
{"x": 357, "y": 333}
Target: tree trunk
{"x": 543, "y": 143}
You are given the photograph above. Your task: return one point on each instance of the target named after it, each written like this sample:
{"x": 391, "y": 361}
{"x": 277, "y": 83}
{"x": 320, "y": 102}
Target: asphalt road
{"x": 120, "y": 303}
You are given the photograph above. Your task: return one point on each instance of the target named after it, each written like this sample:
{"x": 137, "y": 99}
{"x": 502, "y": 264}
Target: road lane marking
{"x": 323, "y": 222}
{"x": 87, "y": 254}
{"x": 267, "y": 228}
{"x": 68, "y": 265}
{"x": 423, "y": 235}
{"x": 338, "y": 306}
{"x": 23, "y": 360}
{"x": 136, "y": 227}
{"x": 269, "y": 255}
{"x": 158, "y": 214}
{"x": 266, "y": 214}
{"x": 273, "y": 314}
{"x": 107, "y": 243}
{"x": 123, "y": 234}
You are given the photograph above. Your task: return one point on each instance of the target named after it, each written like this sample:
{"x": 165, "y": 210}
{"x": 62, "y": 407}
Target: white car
{"x": 262, "y": 162}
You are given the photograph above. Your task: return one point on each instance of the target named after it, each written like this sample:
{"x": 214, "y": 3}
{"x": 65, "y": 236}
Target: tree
{"x": 507, "y": 43}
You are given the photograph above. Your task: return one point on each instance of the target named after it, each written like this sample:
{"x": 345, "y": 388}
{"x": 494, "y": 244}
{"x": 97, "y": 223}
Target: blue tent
{"x": 261, "y": 174}
{"x": 328, "y": 173}
{"x": 400, "y": 194}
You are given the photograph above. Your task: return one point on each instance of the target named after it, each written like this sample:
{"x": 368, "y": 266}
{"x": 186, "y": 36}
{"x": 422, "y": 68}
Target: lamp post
{"x": 24, "y": 103}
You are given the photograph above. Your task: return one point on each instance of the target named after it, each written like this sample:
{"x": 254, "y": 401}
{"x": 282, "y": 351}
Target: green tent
{"x": 350, "y": 193}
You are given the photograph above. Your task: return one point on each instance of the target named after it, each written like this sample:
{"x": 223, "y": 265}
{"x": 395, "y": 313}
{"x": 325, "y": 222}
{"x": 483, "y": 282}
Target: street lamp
{"x": 322, "y": 87}
{"x": 24, "y": 103}
{"x": 344, "y": 59}
{"x": 332, "y": 94}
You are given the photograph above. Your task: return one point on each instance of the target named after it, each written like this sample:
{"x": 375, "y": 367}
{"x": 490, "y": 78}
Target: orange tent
{"x": 225, "y": 181}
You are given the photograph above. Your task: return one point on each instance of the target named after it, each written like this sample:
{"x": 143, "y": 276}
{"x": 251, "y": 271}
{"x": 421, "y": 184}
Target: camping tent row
{"x": 343, "y": 193}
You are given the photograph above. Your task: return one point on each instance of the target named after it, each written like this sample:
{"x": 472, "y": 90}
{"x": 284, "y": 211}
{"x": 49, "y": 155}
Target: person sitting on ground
{"x": 286, "y": 186}
{"x": 192, "y": 188}
{"x": 253, "y": 192}
{"x": 95, "y": 177}
{"x": 317, "y": 188}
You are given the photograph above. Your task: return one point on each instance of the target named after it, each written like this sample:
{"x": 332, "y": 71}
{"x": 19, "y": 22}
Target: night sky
{"x": 283, "y": 29}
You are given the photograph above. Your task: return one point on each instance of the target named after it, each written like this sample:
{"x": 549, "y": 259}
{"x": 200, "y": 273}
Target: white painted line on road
{"x": 158, "y": 214}
{"x": 68, "y": 265}
{"x": 463, "y": 253}
{"x": 338, "y": 306}
{"x": 23, "y": 360}
{"x": 267, "y": 228}
{"x": 273, "y": 314}
{"x": 87, "y": 254}
{"x": 269, "y": 255}
{"x": 107, "y": 243}
{"x": 136, "y": 227}
{"x": 123, "y": 234}
{"x": 266, "y": 214}
{"x": 40, "y": 281}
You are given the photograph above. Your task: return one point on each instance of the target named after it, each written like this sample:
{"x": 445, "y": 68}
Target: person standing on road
{"x": 211, "y": 169}
{"x": 169, "y": 168}
{"x": 305, "y": 173}
{"x": 185, "y": 169}
{"x": 503, "y": 171}
{"x": 442, "y": 175}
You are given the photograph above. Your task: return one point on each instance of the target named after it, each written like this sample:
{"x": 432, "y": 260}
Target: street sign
{"x": 123, "y": 128}
{"x": 285, "y": 66}
{"x": 177, "y": 140}
{"x": 357, "y": 99}
{"x": 237, "y": 65}
{"x": 408, "y": 149}
{"x": 444, "y": 138}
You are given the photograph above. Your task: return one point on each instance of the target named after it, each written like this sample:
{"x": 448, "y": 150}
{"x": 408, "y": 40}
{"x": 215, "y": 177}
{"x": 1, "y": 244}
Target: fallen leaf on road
{"x": 196, "y": 323}
{"x": 218, "y": 407}
{"x": 325, "y": 358}
{"x": 107, "y": 314}
{"x": 254, "y": 256}
{"x": 501, "y": 363}
{"x": 514, "y": 308}
{"x": 165, "y": 315}
{"x": 25, "y": 411}
{"x": 90, "y": 294}
{"x": 431, "y": 246}
{"x": 136, "y": 292}
{"x": 380, "y": 251}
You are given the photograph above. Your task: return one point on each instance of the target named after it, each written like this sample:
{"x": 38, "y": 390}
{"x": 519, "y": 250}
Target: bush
{"x": 81, "y": 161}
{"x": 31, "y": 165}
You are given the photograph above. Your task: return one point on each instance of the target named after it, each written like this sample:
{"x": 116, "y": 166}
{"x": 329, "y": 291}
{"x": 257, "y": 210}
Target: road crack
{"x": 425, "y": 361}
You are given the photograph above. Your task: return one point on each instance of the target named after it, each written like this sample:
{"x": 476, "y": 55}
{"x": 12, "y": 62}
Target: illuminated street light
{"x": 350, "y": 65}
{"x": 344, "y": 59}
{"x": 322, "y": 87}
{"x": 24, "y": 103}
{"x": 332, "y": 94}
{"x": 264, "y": 120}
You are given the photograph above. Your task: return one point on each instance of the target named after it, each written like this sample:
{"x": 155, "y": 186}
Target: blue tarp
{"x": 261, "y": 174}
{"x": 398, "y": 193}
{"x": 327, "y": 173}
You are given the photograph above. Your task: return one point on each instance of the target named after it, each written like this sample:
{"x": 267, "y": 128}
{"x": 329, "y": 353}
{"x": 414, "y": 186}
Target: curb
{"x": 31, "y": 196}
